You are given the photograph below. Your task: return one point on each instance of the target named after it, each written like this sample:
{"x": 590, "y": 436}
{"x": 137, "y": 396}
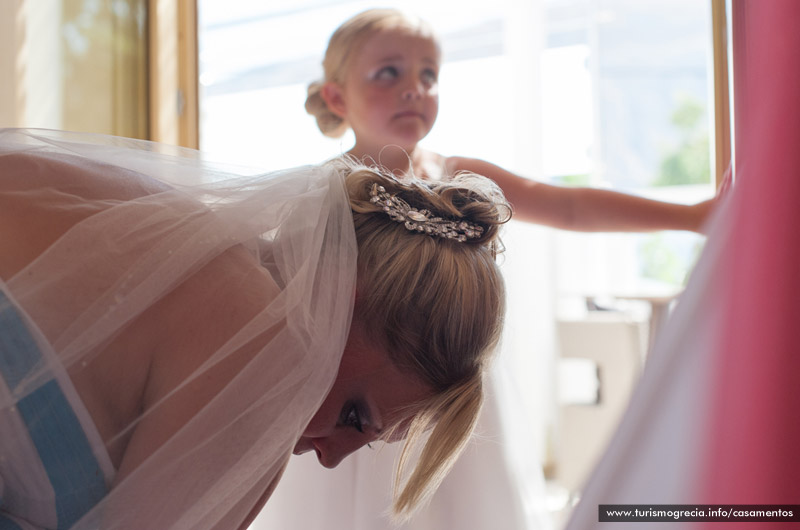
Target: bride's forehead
{"x": 366, "y": 362}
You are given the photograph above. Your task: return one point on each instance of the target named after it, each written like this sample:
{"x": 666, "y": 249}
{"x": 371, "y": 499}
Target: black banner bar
{"x": 711, "y": 513}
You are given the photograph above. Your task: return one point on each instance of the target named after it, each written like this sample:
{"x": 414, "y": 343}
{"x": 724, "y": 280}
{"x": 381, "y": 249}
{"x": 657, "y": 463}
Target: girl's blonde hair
{"x": 347, "y": 39}
{"x": 436, "y": 305}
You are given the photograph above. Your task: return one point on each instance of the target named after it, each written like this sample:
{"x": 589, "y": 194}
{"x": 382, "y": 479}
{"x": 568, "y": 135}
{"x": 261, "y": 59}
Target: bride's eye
{"x": 352, "y": 417}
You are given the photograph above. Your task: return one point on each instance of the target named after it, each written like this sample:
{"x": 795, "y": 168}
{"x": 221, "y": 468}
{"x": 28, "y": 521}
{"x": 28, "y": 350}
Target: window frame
{"x": 172, "y": 72}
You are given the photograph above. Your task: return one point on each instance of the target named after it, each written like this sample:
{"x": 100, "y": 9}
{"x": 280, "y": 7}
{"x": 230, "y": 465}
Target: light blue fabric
{"x": 6, "y": 523}
{"x": 75, "y": 476}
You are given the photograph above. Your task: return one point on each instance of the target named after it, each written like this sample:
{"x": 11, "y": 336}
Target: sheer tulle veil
{"x": 110, "y": 269}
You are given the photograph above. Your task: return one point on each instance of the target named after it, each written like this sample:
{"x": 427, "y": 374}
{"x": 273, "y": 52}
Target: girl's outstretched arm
{"x": 585, "y": 209}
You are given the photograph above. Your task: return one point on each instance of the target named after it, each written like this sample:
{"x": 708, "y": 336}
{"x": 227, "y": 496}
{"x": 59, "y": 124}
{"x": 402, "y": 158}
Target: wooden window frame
{"x": 722, "y": 120}
{"x": 172, "y": 72}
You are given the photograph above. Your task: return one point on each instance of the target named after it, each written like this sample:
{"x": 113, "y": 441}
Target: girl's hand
{"x": 703, "y": 210}
{"x": 727, "y": 182}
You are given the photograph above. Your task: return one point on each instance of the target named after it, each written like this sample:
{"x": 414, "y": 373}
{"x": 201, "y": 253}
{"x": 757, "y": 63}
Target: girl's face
{"x": 390, "y": 94}
{"x": 370, "y": 394}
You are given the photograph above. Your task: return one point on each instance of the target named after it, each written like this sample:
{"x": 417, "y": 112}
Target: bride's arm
{"x": 193, "y": 330}
{"x": 262, "y": 500}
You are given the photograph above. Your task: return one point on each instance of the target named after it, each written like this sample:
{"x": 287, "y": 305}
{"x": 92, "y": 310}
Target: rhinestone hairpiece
{"x": 422, "y": 220}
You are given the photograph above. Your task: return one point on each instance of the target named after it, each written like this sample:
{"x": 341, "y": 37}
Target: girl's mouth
{"x": 409, "y": 114}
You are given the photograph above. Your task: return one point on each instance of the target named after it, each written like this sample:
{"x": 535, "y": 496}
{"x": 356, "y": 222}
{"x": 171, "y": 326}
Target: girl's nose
{"x": 332, "y": 450}
{"x": 413, "y": 91}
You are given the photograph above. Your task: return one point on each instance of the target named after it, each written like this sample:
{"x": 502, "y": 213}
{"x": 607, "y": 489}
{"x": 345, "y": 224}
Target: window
{"x": 76, "y": 64}
{"x": 608, "y": 93}
{"x": 636, "y": 118}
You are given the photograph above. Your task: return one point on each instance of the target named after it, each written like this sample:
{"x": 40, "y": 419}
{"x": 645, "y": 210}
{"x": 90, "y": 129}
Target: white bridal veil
{"x": 116, "y": 267}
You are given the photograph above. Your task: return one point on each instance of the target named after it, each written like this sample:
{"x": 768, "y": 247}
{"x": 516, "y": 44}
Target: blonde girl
{"x": 381, "y": 73}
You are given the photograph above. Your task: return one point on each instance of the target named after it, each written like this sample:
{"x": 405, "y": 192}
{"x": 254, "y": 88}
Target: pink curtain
{"x": 714, "y": 418}
{"x": 755, "y": 435}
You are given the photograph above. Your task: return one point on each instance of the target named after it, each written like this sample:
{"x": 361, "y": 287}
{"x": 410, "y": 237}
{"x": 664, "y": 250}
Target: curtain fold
{"x": 713, "y": 418}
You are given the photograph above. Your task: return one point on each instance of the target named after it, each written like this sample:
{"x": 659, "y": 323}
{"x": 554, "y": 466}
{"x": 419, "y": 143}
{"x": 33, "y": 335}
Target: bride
{"x": 172, "y": 330}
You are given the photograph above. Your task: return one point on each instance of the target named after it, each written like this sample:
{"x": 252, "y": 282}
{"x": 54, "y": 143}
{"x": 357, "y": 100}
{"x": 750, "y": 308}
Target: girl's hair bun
{"x": 329, "y": 123}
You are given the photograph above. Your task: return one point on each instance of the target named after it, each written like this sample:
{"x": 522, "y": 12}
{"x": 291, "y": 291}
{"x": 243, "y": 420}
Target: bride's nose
{"x": 333, "y": 449}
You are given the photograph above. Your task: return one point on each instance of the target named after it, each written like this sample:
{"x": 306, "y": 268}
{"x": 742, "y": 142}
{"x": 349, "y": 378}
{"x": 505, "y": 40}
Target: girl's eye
{"x": 429, "y": 76}
{"x": 352, "y": 418}
{"x": 387, "y": 73}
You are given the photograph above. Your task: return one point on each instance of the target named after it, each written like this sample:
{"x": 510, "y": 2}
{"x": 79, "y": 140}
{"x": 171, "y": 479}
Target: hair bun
{"x": 475, "y": 199}
{"x": 467, "y": 197}
{"x": 329, "y": 123}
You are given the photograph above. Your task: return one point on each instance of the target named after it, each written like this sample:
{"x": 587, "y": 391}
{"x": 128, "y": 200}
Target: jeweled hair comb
{"x": 422, "y": 221}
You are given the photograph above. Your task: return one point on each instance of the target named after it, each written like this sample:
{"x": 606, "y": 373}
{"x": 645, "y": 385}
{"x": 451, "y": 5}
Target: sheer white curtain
{"x": 256, "y": 62}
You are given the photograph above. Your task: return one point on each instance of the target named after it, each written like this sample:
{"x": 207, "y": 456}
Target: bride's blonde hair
{"x": 348, "y": 38}
{"x": 436, "y": 305}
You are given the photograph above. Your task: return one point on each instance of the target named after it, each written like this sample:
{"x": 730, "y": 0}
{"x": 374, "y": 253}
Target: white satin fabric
{"x": 108, "y": 272}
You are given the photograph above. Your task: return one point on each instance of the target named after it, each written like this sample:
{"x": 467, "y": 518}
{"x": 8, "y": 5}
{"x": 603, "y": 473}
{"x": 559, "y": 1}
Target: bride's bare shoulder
{"x": 210, "y": 328}
{"x": 78, "y": 175}
{"x": 205, "y": 311}
{"x": 42, "y": 195}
